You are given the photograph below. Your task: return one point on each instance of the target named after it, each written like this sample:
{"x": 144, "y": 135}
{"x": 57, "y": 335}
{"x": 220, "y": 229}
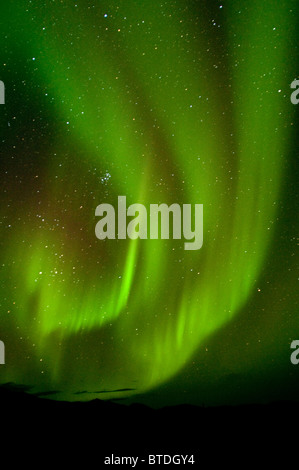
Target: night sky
{"x": 182, "y": 102}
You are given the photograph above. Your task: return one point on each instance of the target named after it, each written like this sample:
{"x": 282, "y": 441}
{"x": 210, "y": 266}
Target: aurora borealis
{"x": 183, "y": 102}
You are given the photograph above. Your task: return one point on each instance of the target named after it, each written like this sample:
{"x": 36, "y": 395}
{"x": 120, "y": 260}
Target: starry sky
{"x": 182, "y": 102}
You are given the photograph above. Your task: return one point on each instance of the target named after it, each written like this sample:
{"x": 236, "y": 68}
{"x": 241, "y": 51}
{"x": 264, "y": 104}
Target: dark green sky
{"x": 163, "y": 102}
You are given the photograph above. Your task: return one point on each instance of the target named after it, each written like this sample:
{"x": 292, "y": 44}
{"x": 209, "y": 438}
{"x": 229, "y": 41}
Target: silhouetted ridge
{"x": 98, "y": 428}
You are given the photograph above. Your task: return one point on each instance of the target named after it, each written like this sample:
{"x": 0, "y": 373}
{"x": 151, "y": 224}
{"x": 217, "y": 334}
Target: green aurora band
{"x": 157, "y": 103}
